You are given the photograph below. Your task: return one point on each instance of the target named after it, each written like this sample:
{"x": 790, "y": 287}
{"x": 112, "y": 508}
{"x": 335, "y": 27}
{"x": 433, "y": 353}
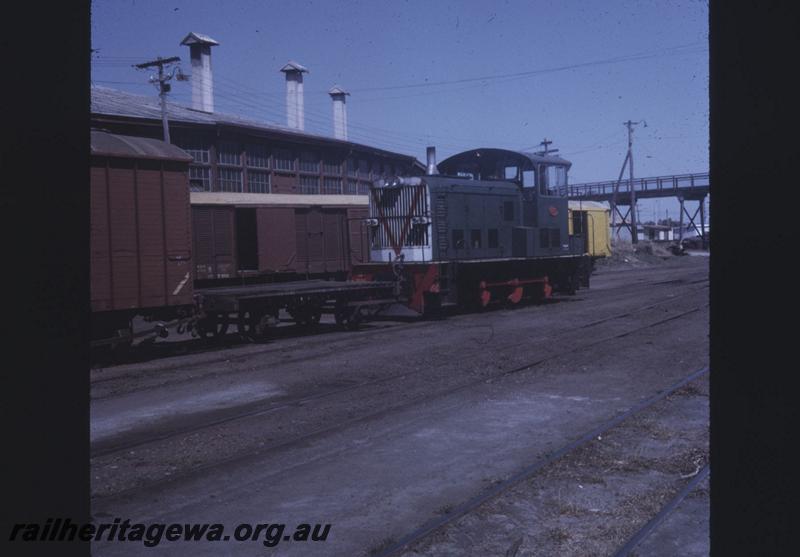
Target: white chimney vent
{"x": 339, "y": 112}
{"x": 295, "y": 117}
{"x": 202, "y": 83}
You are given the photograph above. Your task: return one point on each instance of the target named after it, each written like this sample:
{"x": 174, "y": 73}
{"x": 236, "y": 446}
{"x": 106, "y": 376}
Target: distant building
{"x": 690, "y": 231}
{"x": 656, "y": 232}
{"x": 235, "y": 155}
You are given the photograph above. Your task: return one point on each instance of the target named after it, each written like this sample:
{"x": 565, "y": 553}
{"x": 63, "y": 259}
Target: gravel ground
{"x": 380, "y": 430}
{"x": 591, "y": 501}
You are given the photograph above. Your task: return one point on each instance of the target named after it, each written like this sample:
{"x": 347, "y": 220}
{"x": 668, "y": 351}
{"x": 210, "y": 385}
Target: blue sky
{"x": 458, "y": 75}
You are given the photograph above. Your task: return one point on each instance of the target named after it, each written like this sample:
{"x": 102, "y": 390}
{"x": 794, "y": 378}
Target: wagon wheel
{"x": 313, "y": 317}
{"x": 350, "y": 319}
{"x": 213, "y": 325}
{"x": 307, "y": 316}
{"x": 248, "y": 324}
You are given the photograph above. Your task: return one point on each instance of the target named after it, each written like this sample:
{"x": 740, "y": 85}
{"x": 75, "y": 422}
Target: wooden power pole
{"x": 162, "y": 83}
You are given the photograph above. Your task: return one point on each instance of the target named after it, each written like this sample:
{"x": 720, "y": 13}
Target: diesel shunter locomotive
{"x": 485, "y": 225}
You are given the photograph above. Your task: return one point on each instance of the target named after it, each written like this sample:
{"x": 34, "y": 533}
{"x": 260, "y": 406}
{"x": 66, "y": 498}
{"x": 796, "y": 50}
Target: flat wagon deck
{"x": 254, "y": 308}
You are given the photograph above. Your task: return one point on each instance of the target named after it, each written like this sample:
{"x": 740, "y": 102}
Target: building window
{"x": 257, "y": 156}
{"x": 309, "y": 184}
{"x": 229, "y": 153}
{"x": 309, "y": 162}
{"x": 352, "y": 167}
{"x": 351, "y": 187}
{"x": 230, "y": 179}
{"x": 363, "y": 188}
{"x": 475, "y": 238}
{"x": 284, "y": 160}
{"x": 257, "y": 182}
{"x": 199, "y": 150}
{"x": 458, "y": 239}
{"x": 493, "y": 238}
{"x": 331, "y": 185}
{"x": 199, "y": 178}
{"x": 363, "y": 169}
{"x": 332, "y": 167}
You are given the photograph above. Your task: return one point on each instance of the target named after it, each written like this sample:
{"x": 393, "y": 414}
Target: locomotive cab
{"x": 541, "y": 226}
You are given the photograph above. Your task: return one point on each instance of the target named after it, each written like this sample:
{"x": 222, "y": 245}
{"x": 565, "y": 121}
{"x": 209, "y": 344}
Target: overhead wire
{"x": 238, "y": 94}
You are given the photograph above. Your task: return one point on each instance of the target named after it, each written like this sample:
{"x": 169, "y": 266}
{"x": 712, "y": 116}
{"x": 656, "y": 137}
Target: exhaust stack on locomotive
{"x": 431, "y": 152}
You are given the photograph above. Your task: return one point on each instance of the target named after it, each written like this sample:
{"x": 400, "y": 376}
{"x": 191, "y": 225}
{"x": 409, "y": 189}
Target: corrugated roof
{"x": 113, "y": 102}
{"x": 115, "y": 145}
{"x": 197, "y": 38}
{"x": 119, "y": 103}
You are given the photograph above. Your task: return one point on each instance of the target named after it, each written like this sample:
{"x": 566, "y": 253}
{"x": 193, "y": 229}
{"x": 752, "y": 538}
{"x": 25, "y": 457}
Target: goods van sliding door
{"x": 214, "y": 252}
{"x": 321, "y": 236}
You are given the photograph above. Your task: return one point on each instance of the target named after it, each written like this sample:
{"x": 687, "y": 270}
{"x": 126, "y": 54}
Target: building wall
{"x": 242, "y": 161}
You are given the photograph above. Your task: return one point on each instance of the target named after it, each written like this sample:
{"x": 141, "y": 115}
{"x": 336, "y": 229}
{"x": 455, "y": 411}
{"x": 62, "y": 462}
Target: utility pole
{"x": 546, "y": 143}
{"x": 614, "y": 209}
{"x": 162, "y": 83}
{"x": 629, "y": 125}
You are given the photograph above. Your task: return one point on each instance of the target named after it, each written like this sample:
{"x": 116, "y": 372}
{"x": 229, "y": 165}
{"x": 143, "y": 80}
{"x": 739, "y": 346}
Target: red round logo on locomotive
{"x": 553, "y": 211}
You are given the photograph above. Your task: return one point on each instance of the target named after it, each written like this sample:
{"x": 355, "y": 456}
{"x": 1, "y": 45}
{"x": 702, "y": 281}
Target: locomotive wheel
{"x": 432, "y": 308}
{"x": 213, "y": 326}
{"x": 573, "y": 280}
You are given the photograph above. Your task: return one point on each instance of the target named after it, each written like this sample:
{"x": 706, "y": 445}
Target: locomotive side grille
{"x": 441, "y": 222}
{"x": 394, "y": 208}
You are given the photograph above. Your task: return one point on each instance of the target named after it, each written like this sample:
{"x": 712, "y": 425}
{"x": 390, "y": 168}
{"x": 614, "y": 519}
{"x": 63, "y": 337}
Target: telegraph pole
{"x": 629, "y": 124}
{"x": 614, "y": 209}
{"x": 546, "y": 143}
{"x": 162, "y": 83}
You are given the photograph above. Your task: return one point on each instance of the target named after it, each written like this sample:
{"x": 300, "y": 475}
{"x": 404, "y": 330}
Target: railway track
{"x": 645, "y": 531}
{"x": 465, "y": 356}
{"x": 432, "y": 526}
{"x": 370, "y": 333}
{"x": 109, "y": 449}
